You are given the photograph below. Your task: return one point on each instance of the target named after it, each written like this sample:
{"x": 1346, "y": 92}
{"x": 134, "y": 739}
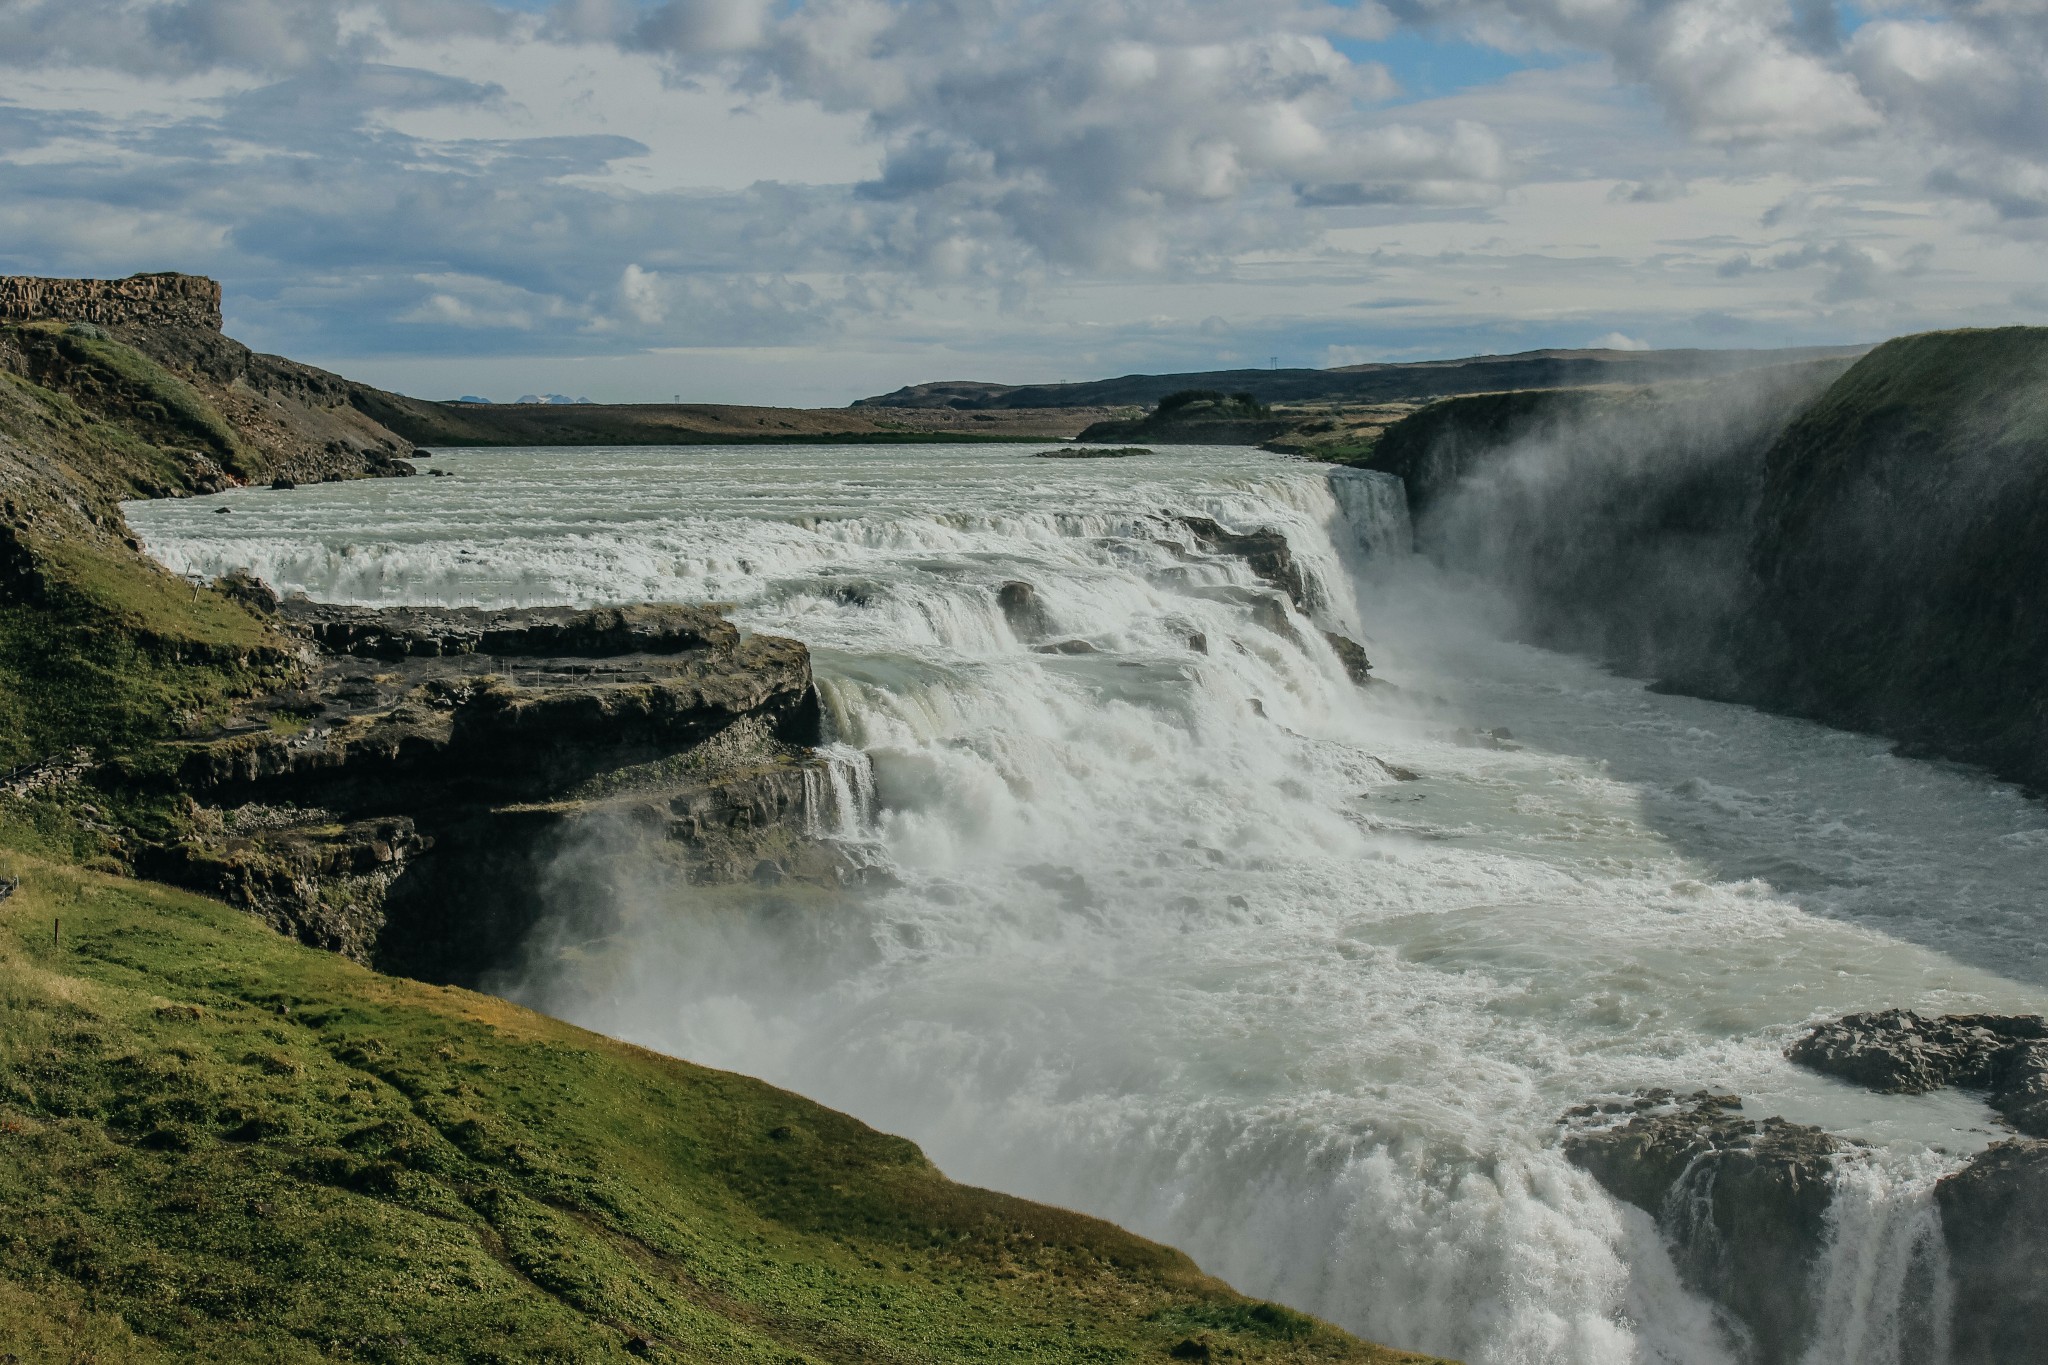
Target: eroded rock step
{"x": 1744, "y": 1202}
{"x": 418, "y": 802}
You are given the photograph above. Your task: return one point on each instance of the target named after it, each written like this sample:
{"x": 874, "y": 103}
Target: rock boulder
{"x": 1994, "y": 1214}
{"x": 1744, "y": 1201}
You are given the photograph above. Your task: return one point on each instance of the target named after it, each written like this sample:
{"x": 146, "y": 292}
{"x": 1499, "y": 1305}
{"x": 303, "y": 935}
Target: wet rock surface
{"x": 1265, "y": 552}
{"x": 407, "y": 805}
{"x": 1994, "y": 1215}
{"x": 1903, "y": 1052}
{"x": 1268, "y": 555}
{"x": 604, "y": 632}
{"x": 1022, "y": 608}
{"x": 1743, "y": 1201}
{"x": 1351, "y": 654}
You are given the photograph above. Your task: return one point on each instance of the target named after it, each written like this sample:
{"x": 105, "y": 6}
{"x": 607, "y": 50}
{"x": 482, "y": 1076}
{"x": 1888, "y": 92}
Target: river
{"x": 1291, "y": 974}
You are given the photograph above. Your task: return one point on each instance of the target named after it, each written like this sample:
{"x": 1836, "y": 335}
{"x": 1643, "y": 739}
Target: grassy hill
{"x": 218, "y": 1145}
{"x": 1353, "y": 385}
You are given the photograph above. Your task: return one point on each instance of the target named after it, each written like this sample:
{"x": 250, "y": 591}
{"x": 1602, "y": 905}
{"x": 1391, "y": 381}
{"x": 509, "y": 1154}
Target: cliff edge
{"x": 1861, "y": 544}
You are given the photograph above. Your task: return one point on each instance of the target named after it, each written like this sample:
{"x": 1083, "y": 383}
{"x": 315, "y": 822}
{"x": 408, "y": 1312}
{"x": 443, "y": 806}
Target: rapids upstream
{"x": 1294, "y": 975}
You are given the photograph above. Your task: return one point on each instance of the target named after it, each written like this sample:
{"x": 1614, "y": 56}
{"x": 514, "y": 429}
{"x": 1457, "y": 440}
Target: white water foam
{"x": 1170, "y": 940}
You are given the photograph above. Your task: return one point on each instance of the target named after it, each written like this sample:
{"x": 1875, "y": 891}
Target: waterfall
{"x": 1375, "y": 511}
{"x": 1884, "y": 1294}
{"x": 1176, "y": 924}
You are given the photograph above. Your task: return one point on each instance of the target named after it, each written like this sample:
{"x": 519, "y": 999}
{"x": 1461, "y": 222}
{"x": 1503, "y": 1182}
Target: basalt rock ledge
{"x": 408, "y": 804}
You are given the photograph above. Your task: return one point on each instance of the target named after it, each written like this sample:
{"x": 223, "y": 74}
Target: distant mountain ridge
{"x": 1370, "y": 383}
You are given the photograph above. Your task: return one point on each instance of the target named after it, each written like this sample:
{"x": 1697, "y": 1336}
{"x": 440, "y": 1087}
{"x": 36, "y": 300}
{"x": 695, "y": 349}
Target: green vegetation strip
{"x": 216, "y": 1145}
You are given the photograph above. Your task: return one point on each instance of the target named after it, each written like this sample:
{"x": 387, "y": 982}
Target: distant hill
{"x": 1376, "y": 383}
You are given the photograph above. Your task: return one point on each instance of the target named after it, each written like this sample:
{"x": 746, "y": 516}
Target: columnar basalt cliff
{"x": 166, "y": 300}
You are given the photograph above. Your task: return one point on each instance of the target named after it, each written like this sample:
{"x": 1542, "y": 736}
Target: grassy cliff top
{"x": 1928, "y": 405}
{"x": 218, "y": 1145}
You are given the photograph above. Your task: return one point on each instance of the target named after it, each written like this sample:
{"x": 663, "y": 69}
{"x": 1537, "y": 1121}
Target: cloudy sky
{"x": 804, "y": 201}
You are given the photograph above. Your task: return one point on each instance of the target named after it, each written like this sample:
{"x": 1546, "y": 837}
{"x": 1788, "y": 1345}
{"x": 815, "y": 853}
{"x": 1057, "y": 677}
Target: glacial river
{"x": 1294, "y": 975}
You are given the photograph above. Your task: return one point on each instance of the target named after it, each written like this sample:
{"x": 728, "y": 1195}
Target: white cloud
{"x": 1040, "y": 188}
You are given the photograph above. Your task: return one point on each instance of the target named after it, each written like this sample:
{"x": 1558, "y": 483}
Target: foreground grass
{"x": 217, "y": 1145}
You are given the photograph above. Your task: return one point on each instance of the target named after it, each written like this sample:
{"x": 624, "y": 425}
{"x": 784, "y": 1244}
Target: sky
{"x": 808, "y": 201}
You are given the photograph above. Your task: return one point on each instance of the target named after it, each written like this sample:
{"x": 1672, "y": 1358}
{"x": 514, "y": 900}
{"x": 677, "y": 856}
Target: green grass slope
{"x": 99, "y": 647}
{"x": 218, "y": 1145}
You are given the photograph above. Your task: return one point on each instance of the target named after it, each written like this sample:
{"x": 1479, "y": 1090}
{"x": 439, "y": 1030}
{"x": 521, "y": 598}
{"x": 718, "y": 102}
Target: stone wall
{"x": 145, "y": 300}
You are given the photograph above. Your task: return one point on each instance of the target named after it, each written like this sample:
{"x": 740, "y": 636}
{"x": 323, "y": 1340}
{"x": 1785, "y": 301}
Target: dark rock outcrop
{"x": 1743, "y": 1201}
{"x": 1902, "y": 1052}
{"x": 1351, "y": 654}
{"x": 1188, "y": 432}
{"x": 1024, "y": 611}
{"x": 1269, "y": 557}
{"x": 543, "y": 632}
{"x": 1994, "y": 1215}
{"x": 1265, "y": 551}
{"x": 406, "y": 804}
{"x": 140, "y": 300}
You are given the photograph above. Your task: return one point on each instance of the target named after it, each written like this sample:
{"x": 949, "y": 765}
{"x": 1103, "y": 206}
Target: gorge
{"x": 1160, "y": 837}
{"x": 1184, "y": 927}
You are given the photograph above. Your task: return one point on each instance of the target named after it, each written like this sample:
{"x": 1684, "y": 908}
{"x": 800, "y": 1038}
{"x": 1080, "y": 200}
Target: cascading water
{"x": 1167, "y": 931}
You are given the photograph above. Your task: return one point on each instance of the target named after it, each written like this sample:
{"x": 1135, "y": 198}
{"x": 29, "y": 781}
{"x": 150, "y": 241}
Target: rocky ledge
{"x": 1264, "y": 551}
{"x": 1744, "y": 1203}
{"x": 1994, "y": 1211}
{"x": 1901, "y": 1052}
{"x": 414, "y": 804}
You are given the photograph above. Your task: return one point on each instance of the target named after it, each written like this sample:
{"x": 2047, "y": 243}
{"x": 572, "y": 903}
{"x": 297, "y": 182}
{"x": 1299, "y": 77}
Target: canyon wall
{"x": 1859, "y": 544}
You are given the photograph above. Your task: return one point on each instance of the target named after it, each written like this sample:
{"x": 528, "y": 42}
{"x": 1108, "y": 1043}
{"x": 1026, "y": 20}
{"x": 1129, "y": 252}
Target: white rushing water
{"x": 1170, "y": 940}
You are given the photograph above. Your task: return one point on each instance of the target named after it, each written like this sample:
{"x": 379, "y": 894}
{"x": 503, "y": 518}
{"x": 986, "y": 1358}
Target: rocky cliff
{"x": 1745, "y": 1204}
{"x": 165, "y": 300}
{"x": 1899, "y": 548}
{"x": 388, "y": 785}
{"x": 406, "y": 805}
{"x": 1616, "y": 520}
{"x": 1857, "y": 544}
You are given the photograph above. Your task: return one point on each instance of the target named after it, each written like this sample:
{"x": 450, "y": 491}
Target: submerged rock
{"x": 1265, "y": 552}
{"x": 1351, "y": 654}
{"x": 1024, "y": 611}
{"x": 1906, "y": 1053}
{"x": 1994, "y": 1215}
{"x": 1744, "y": 1201}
